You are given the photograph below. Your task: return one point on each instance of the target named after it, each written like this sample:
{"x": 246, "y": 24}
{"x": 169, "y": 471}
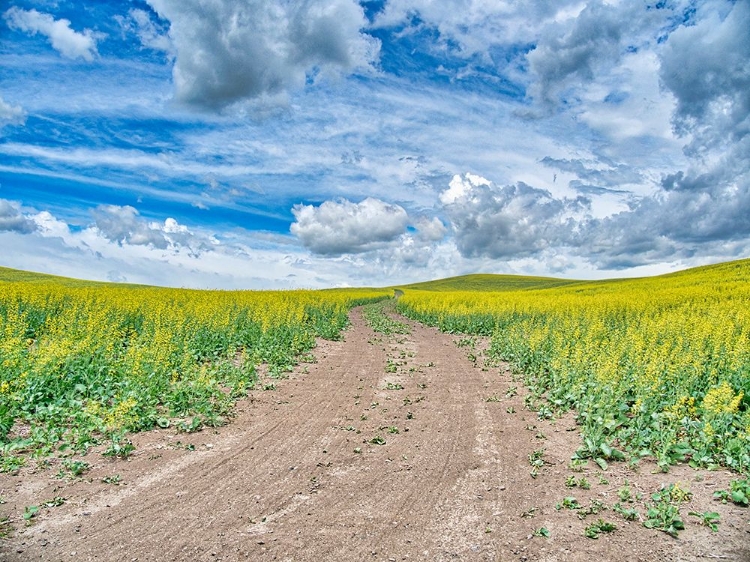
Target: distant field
{"x": 8, "y": 275}
{"x": 488, "y": 282}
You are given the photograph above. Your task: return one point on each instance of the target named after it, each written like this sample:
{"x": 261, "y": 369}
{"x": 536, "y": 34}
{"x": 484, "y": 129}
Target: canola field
{"x": 654, "y": 367}
{"x": 84, "y": 363}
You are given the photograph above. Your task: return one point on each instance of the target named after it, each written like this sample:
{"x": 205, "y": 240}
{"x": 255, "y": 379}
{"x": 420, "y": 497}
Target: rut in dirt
{"x": 394, "y": 447}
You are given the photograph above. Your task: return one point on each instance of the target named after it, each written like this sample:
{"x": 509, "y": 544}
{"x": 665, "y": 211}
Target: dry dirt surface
{"x": 388, "y": 448}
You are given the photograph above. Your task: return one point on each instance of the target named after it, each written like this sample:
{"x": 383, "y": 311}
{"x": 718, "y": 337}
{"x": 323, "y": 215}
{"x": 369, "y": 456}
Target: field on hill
{"x": 655, "y": 367}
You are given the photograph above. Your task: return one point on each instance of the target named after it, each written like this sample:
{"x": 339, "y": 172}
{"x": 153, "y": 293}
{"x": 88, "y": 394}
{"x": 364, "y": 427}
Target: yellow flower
{"x": 722, "y": 400}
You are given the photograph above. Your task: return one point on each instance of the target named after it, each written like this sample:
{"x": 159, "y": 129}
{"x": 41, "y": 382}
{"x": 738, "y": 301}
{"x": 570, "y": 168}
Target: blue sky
{"x": 255, "y": 144}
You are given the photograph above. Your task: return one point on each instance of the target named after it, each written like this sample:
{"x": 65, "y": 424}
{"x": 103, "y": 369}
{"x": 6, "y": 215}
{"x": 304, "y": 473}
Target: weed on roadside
{"x": 72, "y": 468}
{"x": 663, "y": 512}
{"x": 600, "y": 526}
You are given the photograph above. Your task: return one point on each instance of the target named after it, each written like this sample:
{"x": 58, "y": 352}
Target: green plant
{"x": 393, "y": 429}
{"x": 625, "y": 493}
{"x": 29, "y": 512}
{"x": 664, "y": 513}
{"x": 493, "y": 398}
{"x": 739, "y": 492}
{"x": 394, "y": 386}
{"x": 181, "y": 445}
{"x": 541, "y": 532}
{"x": 72, "y": 468}
{"x": 595, "y": 507}
{"x": 119, "y": 447}
{"x": 11, "y": 463}
{"x": 568, "y": 502}
{"x": 600, "y": 526}
{"x": 577, "y": 465}
{"x": 629, "y": 514}
{"x": 190, "y": 425}
{"x": 708, "y": 518}
{"x": 377, "y": 440}
{"x": 54, "y": 502}
{"x": 114, "y": 479}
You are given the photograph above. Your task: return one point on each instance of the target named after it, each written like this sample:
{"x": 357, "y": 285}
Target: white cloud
{"x": 474, "y": 26}
{"x": 461, "y": 188}
{"x": 229, "y": 51}
{"x": 706, "y": 67}
{"x": 509, "y": 222}
{"x": 150, "y": 33}
{"x": 341, "y": 227}
{"x": 123, "y": 225}
{"x": 11, "y": 114}
{"x": 64, "y": 39}
{"x": 631, "y": 102}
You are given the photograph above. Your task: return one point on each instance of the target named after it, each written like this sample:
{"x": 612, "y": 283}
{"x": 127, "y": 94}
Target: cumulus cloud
{"x": 513, "y": 221}
{"x": 341, "y": 227}
{"x": 228, "y": 51}
{"x": 11, "y": 218}
{"x": 69, "y": 43}
{"x": 706, "y": 67}
{"x": 462, "y": 187}
{"x": 600, "y": 35}
{"x": 124, "y": 225}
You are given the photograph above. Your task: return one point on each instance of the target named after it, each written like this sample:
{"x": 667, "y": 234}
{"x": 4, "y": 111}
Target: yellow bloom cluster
{"x": 722, "y": 400}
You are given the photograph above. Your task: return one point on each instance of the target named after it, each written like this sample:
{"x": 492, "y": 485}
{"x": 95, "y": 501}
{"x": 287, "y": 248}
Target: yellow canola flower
{"x": 722, "y": 400}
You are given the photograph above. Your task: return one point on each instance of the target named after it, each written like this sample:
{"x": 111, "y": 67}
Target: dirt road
{"x": 386, "y": 448}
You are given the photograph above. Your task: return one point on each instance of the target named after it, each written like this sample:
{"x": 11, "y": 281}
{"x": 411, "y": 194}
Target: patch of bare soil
{"x": 388, "y": 448}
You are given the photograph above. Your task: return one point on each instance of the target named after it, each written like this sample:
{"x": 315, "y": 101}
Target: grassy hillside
{"x": 8, "y": 275}
{"x": 488, "y": 282}
{"x": 497, "y": 282}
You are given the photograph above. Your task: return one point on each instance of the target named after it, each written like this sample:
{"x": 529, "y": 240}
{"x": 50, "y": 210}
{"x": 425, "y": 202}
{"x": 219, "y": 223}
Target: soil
{"x": 297, "y": 475}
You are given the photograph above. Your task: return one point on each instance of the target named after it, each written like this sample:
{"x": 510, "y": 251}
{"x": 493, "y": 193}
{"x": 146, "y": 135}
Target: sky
{"x": 248, "y": 144}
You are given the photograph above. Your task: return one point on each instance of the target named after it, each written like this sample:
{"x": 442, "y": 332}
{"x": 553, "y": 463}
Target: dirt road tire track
{"x": 296, "y": 476}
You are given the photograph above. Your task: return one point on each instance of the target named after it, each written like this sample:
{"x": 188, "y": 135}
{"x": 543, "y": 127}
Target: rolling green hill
{"x": 489, "y": 282}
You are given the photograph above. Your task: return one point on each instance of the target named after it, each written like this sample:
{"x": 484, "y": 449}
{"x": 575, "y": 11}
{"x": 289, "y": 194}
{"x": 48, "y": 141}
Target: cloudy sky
{"x": 313, "y": 143}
